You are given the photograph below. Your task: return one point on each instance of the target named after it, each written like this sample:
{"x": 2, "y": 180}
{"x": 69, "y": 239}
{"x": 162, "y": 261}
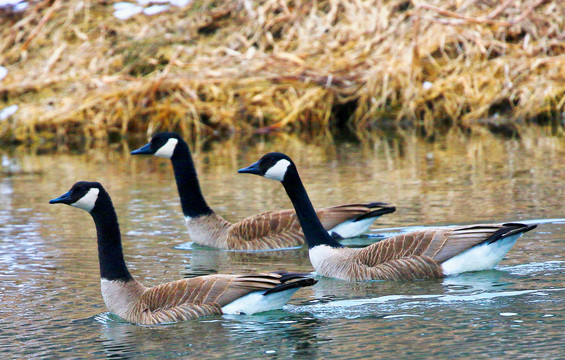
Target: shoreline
{"x": 211, "y": 68}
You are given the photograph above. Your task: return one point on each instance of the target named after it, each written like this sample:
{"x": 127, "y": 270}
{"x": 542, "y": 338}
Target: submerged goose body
{"x": 430, "y": 253}
{"x": 177, "y": 300}
{"x": 269, "y": 230}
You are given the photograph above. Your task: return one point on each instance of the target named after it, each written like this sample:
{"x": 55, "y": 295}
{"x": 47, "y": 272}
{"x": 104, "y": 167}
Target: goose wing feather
{"x": 277, "y": 229}
{"x": 407, "y": 245}
{"x": 419, "y": 254}
{"x": 269, "y": 230}
{"x": 457, "y": 240}
{"x": 335, "y": 215}
{"x": 406, "y": 268}
{"x": 200, "y": 296}
{"x": 439, "y": 244}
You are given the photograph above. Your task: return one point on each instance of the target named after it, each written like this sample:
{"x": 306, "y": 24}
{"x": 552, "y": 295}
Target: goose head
{"x": 162, "y": 144}
{"x": 272, "y": 166}
{"x": 83, "y": 195}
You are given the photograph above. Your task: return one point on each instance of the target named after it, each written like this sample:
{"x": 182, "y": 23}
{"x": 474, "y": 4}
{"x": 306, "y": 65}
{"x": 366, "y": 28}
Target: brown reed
{"x": 217, "y": 67}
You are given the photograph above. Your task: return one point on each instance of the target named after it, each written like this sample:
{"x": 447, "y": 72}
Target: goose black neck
{"x": 110, "y": 254}
{"x": 191, "y": 198}
{"x": 313, "y": 229}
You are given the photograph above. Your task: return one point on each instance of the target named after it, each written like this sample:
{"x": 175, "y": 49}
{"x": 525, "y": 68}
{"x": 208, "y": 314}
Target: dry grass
{"x": 225, "y": 66}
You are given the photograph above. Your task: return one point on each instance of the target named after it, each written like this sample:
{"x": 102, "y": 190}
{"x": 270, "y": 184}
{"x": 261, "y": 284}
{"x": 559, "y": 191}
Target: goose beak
{"x": 63, "y": 199}
{"x": 144, "y": 150}
{"x": 251, "y": 169}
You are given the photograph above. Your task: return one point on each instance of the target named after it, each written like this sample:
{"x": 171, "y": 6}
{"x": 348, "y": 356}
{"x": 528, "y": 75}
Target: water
{"x": 49, "y": 280}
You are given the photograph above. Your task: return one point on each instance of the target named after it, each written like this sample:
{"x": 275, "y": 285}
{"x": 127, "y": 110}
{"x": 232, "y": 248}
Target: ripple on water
{"x": 356, "y": 308}
{"x": 547, "y": 267}
{"x": 50, "y": 288}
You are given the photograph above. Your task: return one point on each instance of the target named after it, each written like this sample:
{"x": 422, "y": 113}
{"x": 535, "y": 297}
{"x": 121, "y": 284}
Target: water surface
{"x": 49, "y": 279}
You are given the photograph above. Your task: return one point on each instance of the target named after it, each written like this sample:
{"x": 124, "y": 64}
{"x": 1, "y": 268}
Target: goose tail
{"x": 379, "y": 210}
{"x": 271, "y": 299}
{"x": 292, "y": 281}
{"x": 509, "y": 229}
{"x": 359, "y": 225}
{"x": 488, "y": 253}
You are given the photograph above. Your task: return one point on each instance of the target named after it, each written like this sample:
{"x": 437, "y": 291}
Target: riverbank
{"x": 211, "y": 67}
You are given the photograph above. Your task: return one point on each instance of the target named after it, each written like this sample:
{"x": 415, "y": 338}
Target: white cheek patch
{"x": 277, "y": 171}
{"x": 166, "y": 151}
{"x": 87, "y": 201}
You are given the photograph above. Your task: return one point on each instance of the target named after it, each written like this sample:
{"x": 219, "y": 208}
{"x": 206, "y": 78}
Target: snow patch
{"x": 125, "y": 10}
{"x": 3, "y": 72}
{"x": 9, "y": 111}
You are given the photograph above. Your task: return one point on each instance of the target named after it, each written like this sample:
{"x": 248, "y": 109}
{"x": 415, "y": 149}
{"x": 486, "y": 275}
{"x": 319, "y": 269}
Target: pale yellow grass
{"x": 226, "y": 66}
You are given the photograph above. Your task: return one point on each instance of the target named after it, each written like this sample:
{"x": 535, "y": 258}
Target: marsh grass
{"x": 217, "y": 67}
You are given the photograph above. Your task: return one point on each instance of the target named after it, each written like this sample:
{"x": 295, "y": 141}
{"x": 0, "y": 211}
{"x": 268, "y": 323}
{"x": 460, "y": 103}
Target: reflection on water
{"x": 49, "y": 279}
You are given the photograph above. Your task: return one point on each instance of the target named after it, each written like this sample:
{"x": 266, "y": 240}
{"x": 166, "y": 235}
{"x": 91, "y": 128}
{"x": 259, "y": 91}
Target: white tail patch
{"x": 256, "y": 302}
{"x": 277, "y": 171}
{"x": 166, "y": 151}
{"x": 350, "y": 228}
{"x": 88, "y": 201}
{"x": 481, "y": 257}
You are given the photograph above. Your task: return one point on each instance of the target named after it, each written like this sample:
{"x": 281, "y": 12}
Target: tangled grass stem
{"x": 221, "y": 67}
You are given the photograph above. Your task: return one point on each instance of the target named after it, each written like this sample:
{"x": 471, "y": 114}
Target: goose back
{"x": 415, "y": 255}
{"x": 191, "y": 298}
{"x": 439, "y": 244}
{"x": 347, "y": 264}
{"x": 268, "y": 230}
{"x": 281, "y": 229}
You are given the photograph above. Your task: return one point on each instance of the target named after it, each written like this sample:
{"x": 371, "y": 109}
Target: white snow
{"x": 9, "y": 111}
{"x": 3, "y": 72}
{"x": 16, "y": 5}
{"x": 155, "y": 9}
{"x": 125, "y": 10}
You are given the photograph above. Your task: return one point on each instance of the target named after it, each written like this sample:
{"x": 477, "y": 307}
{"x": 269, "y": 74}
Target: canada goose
{"x": 177, "y": 300}
{"x": 269, "y": 230}
{"x": 430, "y": 253}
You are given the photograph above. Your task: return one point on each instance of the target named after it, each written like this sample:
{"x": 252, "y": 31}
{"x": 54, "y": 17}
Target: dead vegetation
{"x": 223, "y": 66}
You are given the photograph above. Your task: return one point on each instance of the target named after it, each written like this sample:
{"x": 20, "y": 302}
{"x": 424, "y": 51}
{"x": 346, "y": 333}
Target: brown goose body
{"x": 192, "y": 298}
{"x": 269, "y": 230}
{"x": 430, "y": 253}
{"x": 273, "y": 229}
{"x": 415, "y": 255}
{"x": 178, "y": 300}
